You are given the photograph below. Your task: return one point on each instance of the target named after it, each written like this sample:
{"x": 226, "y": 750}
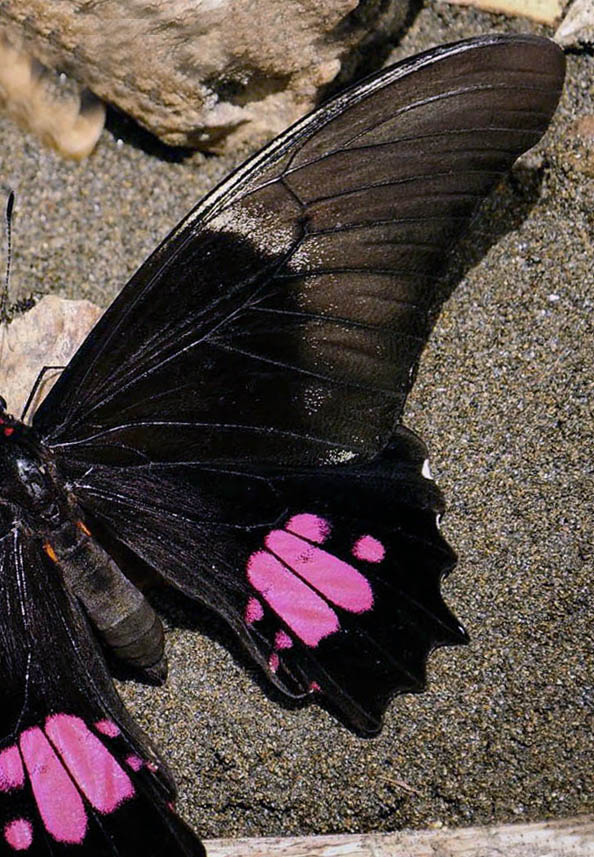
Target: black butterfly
{"x": 233, "y": 421}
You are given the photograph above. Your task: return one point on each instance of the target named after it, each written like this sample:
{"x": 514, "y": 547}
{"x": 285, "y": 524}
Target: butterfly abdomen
{"x": 118, "y": 610}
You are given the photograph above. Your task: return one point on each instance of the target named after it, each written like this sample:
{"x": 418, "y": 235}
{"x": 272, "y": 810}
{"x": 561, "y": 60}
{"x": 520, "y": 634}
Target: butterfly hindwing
{"x": 330, "y": 576}
{"x": 77, "y": 776}
{"x": 347, "y": 590}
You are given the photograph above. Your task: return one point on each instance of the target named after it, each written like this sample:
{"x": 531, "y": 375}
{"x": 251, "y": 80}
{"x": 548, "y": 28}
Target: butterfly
{"x": 233, "y": 422}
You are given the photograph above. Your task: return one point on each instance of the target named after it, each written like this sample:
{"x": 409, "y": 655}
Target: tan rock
{"x": 204, "y": 73}
{"x": 65, "y": 118}
{"x": 47, "y": 335}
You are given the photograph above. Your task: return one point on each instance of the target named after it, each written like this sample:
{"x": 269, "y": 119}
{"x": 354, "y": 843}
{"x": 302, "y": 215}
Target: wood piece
{"x": 570, "y": 837}
{"x": 543, "y": 11}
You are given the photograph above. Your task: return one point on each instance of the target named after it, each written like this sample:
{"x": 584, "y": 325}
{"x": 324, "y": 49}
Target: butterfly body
{"x": 234, "y": 422}
{"x": 41, "y": 504}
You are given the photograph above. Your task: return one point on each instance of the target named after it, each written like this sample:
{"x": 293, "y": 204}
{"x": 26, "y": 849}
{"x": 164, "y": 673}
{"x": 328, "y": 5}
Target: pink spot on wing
{"x": 152, "y": 767}
{"x": 273, "y": 662}
{"x": 19, "y": 834}
{"x": 107, "y": 727}
{"x": 96, "y": 772}
{"x": 134, "y": 762}
{"x": 314, "y": 686}
{"x": 308, "y": 615}
{"x": 253, "y": 611}
{"x": 12, "y": 775}
{"x": 59, "y": 803}
{"x": 336, "y": 580}
{"x": 309, "y": 527}
{"x": 369, "y": 549}
{"x": 282, "y": 640}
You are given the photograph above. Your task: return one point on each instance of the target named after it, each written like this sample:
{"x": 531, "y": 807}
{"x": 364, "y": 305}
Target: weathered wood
{"x": 543, "y": 11}
{"x": 570, "y": 837}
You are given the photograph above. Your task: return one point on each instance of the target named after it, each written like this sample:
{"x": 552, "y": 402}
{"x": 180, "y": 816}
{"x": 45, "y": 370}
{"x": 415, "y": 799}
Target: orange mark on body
{"x": 50, "y": 552}
{"x": 82, "y": 526}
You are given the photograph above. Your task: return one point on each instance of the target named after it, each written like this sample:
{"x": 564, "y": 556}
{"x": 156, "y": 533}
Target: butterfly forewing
{"x": 296, "y": 297}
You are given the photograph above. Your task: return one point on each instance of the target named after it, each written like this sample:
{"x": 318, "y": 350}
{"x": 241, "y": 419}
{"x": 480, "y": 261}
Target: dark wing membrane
{"x": 296, "y": 297}
{"x": 331, "y": 578}
{"x": 77, "y": 776}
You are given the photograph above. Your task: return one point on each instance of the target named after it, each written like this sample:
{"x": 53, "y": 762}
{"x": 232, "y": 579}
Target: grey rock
{"x": 577, "y": 28}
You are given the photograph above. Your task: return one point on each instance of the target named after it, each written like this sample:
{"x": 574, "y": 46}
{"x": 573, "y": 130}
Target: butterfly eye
{"x": 3, "y": 404}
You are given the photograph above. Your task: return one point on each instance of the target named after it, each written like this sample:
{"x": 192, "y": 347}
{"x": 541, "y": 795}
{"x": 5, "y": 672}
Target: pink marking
{"x": 12, "y": 775}
{"x": 282, "y": 640}
{"x": 107, "y": 727}
{"x": 300, "y": 607}
{"x": 134, "y": 762}
{"x": 59, "y": 803}
{"x": 96, "y": 772}
{"x": 152, "y": 767}
{"x": 8, "y": 431}
{"x": 253, "y": 612}
{"x": 314, "y": 686}
{"x": 369, "y": 549}
{"x": 335, "y": 579}
{"x": 273, "y": 662}
{"x": 19, "y": 834}
{"x": 309, "y": 527}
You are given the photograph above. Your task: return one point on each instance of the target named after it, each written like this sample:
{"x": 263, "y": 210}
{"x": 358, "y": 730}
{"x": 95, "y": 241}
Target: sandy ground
{"x": 503, "y": 732}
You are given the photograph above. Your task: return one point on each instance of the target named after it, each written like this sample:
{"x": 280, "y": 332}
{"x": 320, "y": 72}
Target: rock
{"x": 577, "y": 28}
{"x": 47, "y": 335}
{"x": 65, "y": 118}
{"x": 210, "y": 74}
{"x": 579, "y": 147}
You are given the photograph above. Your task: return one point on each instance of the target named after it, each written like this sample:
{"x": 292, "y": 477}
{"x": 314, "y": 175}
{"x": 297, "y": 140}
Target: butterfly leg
{"x": 35, "y": 388}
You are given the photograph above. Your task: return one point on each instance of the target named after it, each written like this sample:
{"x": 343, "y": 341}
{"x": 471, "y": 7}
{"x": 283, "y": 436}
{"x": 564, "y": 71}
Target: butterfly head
{"x": 9, "y": 426}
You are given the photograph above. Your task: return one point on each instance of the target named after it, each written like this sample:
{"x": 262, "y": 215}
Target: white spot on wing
{"x": 426, "y": 470}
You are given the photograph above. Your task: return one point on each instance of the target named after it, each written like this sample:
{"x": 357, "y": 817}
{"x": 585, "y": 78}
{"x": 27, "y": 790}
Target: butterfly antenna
{"x": 4, "y": 298}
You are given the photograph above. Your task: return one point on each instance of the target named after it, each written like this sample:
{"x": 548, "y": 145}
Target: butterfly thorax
{"x": 28, "y": 482}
